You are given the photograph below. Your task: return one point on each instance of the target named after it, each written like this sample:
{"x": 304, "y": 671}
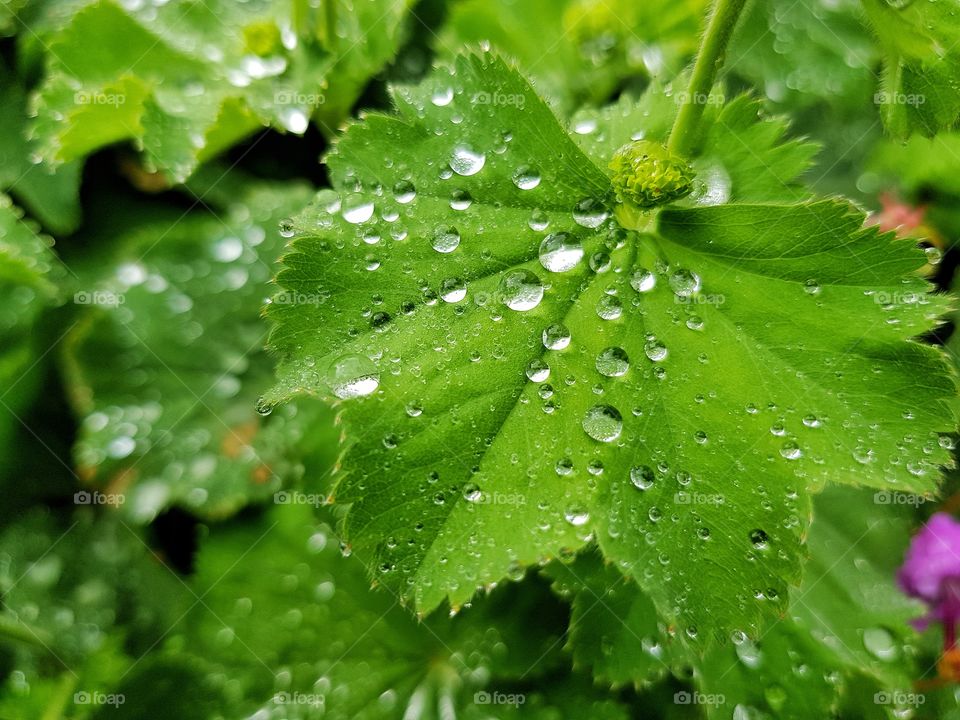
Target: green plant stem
{"x": 13, "y": 629}
{"x": 710, "y": 59}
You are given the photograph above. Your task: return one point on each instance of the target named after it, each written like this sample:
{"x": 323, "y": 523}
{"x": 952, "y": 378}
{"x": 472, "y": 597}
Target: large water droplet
{"x": 613, "y": 362}
{"x": 521, "y": 290}
{"x": 556, "y": 337}
{"x": 357, "y": 208}
{"x": 453, "y": 290}
{"x": 560, "y": 251}
{"x": 446, "y": 239}
{"x": 537, "y": 370}
{"x": 577, "y": 516}
{"x": 655, "y": 350}
{"x": 643, "y": 280}
{"x": 526, "y": 177}
{"x": 642, "y": 477}
{"x": 684, "y": 282}
{"x": 589, "y": 213}
{"x": 603, "y": 423}
{"x": 353, "y": 376}
{"x": 880, "y": 643}
{"x": 466, "y": 162}
{"x": 404, "y": 192}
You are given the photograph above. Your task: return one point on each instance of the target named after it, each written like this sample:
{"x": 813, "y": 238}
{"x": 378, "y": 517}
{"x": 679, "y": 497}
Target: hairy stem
{"x": 710, "y": 59}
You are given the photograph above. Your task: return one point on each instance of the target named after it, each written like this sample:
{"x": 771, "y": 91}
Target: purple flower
{"x": 931, "y": 572}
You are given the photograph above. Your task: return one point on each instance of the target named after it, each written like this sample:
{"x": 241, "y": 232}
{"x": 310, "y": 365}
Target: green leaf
{"x": 185, "y": 81}
{"x": 614, "y": 630}
{"x": 725, "y": 359}
{"x": 165, "y": 362}
{"x": 804, "y": 53}
{"x": 846, "y": 633}
{"x": 51, "y": 195}
{"x": 30, "y": 280}
{"x": 921, "y": 64}
{"x": 286, "y": 619}
{"x": 82, "y": 599}
{"x": 578, "y": 51}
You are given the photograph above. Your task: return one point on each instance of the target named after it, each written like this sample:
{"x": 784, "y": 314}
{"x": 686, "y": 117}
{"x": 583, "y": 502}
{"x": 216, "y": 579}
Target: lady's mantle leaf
{"x": 527, "y": 372}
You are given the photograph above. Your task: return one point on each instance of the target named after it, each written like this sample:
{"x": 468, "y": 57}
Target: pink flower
{"x": 931, "y": 572}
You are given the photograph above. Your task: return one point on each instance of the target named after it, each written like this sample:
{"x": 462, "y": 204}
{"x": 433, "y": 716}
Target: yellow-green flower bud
{"x": 646, "y": 174}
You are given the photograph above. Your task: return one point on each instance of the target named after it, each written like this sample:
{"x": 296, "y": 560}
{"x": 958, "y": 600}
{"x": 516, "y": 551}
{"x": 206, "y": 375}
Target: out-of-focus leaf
{"x": 186, "y": 80}
{"x": 167, "y": 361}
{"x": 920, "y": 91}
{"x": 578, "y": 51}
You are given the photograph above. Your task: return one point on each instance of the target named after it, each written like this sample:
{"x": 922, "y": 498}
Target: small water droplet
{"x": 521, "y": 290}
{"x": 613, "y": 362}
{"x": 526, "y": 177}
{"x": 353, "y": 376}
{"x": 446, "y": 239}
{"x": 603, "y": 423}
{"x": 642, "y": 477}
{"x": 560, "y": 252}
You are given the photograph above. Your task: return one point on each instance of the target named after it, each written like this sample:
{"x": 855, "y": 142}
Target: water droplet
{"x": 642, "y": 477}
{"x": 759, "y": 538}
{"x": 404, "y": 192}
{"x": 684, "y": 282}
{"x": 537, "y": 370}
{"x": 521, "y": 290}
{"x": 880, "y": 643}
{"x": 446, "y": 239}
{"x": 603, "y": 423}
{"x": 556, "y": 337}
{"x": 643, "y": 280}
{"x": 357, "y": 208}
{"x": 811, "y": 287}
{"x": 353, "y": 376}
{"x": 790, "y": 450}
{"x": 577, "y": 516}
{"x": 560, "y": 252}
{"x": 564, "y": 467}
{"x": 589, "y": 213}
{"x": 526, "y": 177}
{"x": 609, "y": 307}
{"x": 453, "y": 290}
{"x": 460, "y": 200}
{"x": 539, "y": 220}
{"x": 263, "y": 407}
{"x": 655, "y": 350}
{"x": 613, "y": 362}
{"x": 466, "y": 162}
{"x": 442, "y": 96}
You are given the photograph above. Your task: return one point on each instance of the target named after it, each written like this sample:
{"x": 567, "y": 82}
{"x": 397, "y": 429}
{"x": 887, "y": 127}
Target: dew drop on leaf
{"x": 577, "y": 516}
{"x": 353, "y": 376}
{"x": 655, "y": 350}
{"x": 357, "y": 208}
{"x": 466, "y": 161}
{"x": 613, "y": 362}
{"x": 556, "y": 337}
{"x": 537, "y": 370}
{"x": 404, "y": 192}
{"x": 589, "y": 213}
{"x": 643, "y": 280}
{"x": 526, "y": 177}
{"x": 684, "y": 282}
{"x": 642, "y": 477}
{"x": 460, "y": 200}
{"x": 521, "y": 290}
{"x": 446, "y": 239}
{"x": 603, "y": 423}
{"x": 560, "y": 251}
{"x": 453, "y": 290}
{"x": 609, "y": 307}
